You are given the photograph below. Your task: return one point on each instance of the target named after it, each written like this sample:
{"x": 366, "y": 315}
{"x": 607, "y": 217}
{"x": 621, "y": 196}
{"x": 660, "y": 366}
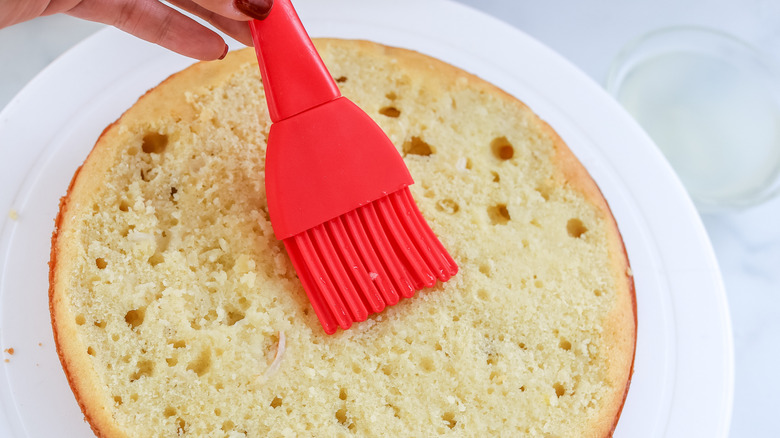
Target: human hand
{"x": 155, "y": 21}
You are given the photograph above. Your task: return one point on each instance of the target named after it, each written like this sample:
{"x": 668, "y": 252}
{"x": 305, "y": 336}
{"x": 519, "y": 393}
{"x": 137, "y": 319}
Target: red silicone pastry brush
{"x": 337, "y": 188}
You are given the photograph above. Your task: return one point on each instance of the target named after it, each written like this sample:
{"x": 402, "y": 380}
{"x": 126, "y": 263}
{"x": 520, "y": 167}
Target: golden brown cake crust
{"x": 618, "y": 332}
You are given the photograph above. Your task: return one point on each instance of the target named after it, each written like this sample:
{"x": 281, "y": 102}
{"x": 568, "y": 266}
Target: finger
{"x": 257, "y": 9}
{"x": 236, "y": 29}
{"x": 240, "y": 10}
{"x": 154, "y": 22}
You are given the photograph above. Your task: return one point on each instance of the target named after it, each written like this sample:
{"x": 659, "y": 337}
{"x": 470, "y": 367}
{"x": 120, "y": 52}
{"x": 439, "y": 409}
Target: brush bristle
{"x": 367, "y": 259}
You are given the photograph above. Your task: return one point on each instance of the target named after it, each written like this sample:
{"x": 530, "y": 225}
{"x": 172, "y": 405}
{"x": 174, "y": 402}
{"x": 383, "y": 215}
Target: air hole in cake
{"x": 497, "y": 377}
{"x": 100, "y": 324}
{"x": 427, "y": 364}
{"x": 565, "y": 345}
{"x": 227, "y": 261}
{"x": 202, "y": 363}
{"x": 502, "y": 149}
{"x": 276, "y": 402}
{"x": 100, "y": 263}
{"x": 172, "y": 361}
{"x": 492, "y": 359}
{"x": 391, "y": 95}
{"x": 396, "y": 410}
{"x": 544, "y": 191}
{"x": 169, "y": 411}
{"x": 179, "y": 344}
{"x": 154, "y": 143}
{"x": 135, "y": 317}
{"x": 341, "y": 79}
{"x": 447, "y": 206}
{"x": 496, "y": 176}
{"x": 341, "y": 416}
{"x": 156, "y": 259}
{"x": 597, "y": 292}
{"x": 559, "y": 389}
{"x": 535, "y": 223}
{"x": 482, "y": 294}
{"x": 181, "y": 426}
{"x": 576, "y": 228}
{"x": 115, "y": 337}
{"x": 343, "y": 394}
{"x": 174, "y": 191}
{"x": 387, "y": 370}
{"x": 211, "y": 315}
{"x": 538, "y": 283}
{"x": 228, "y": 425}
{"x": 233, "y": 316}
{"x": 132, "y": 151}
{"x": 134, "y": 397}
{"x": 80, "y": 319}
{"x": 416, "y": 146}
{"x": 90, "y": 351}
{"x": 390, "y": 111}
{"x": 449, "y": 419}
{"x": 498, "y": 214}
{"x": 145, "y": 369}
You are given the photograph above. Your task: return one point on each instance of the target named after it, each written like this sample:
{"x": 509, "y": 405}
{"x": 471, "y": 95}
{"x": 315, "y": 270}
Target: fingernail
{"x": 224, "y": 54}
{"x": 257, "y": 9}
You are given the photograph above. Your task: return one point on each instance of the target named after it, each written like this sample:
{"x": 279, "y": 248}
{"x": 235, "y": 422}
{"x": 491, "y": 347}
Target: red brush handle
{"x": 294, "y": 77}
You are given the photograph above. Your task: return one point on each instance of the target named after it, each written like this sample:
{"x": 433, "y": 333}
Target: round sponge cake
{"x": 176, "y": 312}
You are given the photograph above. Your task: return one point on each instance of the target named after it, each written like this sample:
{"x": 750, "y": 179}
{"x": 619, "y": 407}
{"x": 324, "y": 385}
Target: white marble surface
{"x": 590, "y": 33}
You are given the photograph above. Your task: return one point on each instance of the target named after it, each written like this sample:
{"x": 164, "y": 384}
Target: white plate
{"x": 683, "y": 377}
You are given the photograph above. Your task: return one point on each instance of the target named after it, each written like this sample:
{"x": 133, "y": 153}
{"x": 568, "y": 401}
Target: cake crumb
{"x": 13, "y": 214}
{"x": 9, "y": 351}
{"x": 7, "y": 361}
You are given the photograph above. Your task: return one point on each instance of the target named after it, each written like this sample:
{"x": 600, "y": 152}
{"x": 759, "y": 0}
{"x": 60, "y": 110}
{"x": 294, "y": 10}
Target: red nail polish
{"x": 224, "y": 54}
{"x": 257, "y": 9}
